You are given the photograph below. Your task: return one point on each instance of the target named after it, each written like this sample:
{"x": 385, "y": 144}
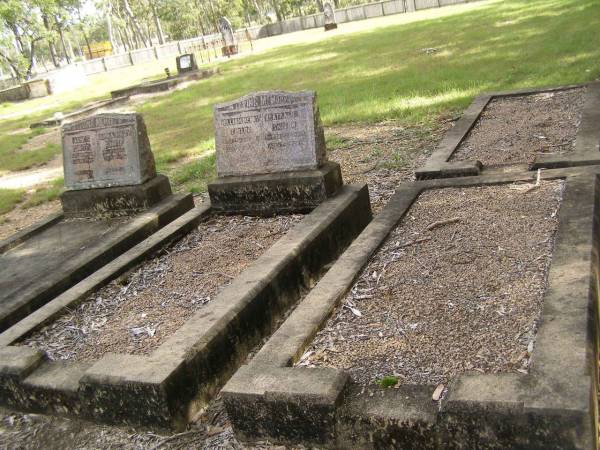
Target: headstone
{"x": 106, "y": 150}
{"x": 271, "y": 156}
{"x": 229, "y": 45}
{"x": 186, "y": 63}
{"x": 269, "y": 132}
{"x": 329, "y": 17}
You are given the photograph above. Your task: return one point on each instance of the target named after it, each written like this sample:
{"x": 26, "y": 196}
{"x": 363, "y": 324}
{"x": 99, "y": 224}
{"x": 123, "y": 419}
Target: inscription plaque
{"x": 268, "y": 132}
{"x": 106, "y": 150}
{"x": 329, "y": 17}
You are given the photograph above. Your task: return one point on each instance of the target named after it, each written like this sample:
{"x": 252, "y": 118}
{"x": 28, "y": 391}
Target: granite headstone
{"x": 329, "y": 17}
{"x": 269, "y": 132}
{"x": 106, "y": 150}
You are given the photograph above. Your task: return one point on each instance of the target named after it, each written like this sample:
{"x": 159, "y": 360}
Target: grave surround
{"x": 165, "y": 387}
{"x": 553, "y": 406}
{"x": 587, "y": 145}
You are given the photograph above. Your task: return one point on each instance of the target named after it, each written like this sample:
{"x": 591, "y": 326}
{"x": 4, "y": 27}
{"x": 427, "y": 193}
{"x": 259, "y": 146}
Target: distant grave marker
{"x": 271, "y": 154}
{"x": 329, "y": 17}
{"x": 229, "y": 43}
{"x": 186, "y": 63}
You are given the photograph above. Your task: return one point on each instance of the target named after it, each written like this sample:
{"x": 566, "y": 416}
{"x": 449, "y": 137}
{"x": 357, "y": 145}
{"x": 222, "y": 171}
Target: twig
{"x": 176, "y": 436}
{"x": 416, "y": 241}
{"x": 441, "y": 223}
{"x": 537, "y": 182}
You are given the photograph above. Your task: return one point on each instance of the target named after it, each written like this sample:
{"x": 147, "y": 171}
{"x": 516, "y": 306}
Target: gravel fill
{"x": 458, "y": 286}
{"x": 135, "y": 313}
{"x": 517, "y": 129}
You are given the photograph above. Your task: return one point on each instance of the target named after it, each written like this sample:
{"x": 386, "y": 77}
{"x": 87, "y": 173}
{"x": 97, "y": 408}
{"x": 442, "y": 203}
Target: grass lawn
{"x": 384, "y": 73}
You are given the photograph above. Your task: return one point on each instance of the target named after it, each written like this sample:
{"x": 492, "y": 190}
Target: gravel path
{"x": 134, "y": 314}
{"x": 457, "y": 286}
{"x": 516, "y": 129}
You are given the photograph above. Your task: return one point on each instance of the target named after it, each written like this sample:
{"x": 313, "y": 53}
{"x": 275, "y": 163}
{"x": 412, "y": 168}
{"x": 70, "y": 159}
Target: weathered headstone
{"x": 186, "y": 63}
{"x": 271, "y": 154}
{"x": 329, "y": 17}
{"x": 109, "y": 166}
{"x": 229, "y": 44}
{"x": 269, "y": 132}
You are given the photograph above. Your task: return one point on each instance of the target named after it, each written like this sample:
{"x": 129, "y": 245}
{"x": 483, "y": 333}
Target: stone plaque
{"x": 269, "y": 132}
{"x": 106, "y": 150}
{"x": 186, "y": 63}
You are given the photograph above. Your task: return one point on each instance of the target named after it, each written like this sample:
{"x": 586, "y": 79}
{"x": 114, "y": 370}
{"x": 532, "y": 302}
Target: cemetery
{"x": 393, "y": 246}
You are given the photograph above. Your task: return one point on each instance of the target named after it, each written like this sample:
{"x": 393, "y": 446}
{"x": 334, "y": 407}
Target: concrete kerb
{"x": 167, "y": 386}
{"x": 587, "y": 150}
{"x": 52, "y": 281}
{"x": 162, "y": 85}
{"x": 554, "y": 406}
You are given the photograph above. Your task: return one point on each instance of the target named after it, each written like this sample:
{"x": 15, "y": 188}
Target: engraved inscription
{"x": 104, "y": 151}
{"x": 268, "y": 132}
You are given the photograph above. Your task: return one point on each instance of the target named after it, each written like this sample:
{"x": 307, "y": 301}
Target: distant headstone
{"x": 329, "y": 17}
{"x": 269, "y": 132}
{"x": 186, "y": 63}
{"x": 229, "y": 44}
{"x": 106, "y": 150}
{"x": 271, "y": 155}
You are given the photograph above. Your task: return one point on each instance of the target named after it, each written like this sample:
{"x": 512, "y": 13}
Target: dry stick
{"x": 537, "y": 182}
{"x": 441, "y": 223}
{"x": 416, "y": 241}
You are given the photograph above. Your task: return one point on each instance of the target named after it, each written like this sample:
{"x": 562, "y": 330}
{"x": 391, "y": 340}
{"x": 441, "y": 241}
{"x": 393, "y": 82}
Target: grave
{"x": 186, "y": 63}
{"x": 199, "y": 295}
{"x": 150, "y": 87}
{"x": 521, "y": 129}
{"x": 329, "y": 17}
{"x": 230, "y": 46}
{"x": 271, "y": 155}
{"x": 114, "y": 200}
{"x": 397, "y": 348}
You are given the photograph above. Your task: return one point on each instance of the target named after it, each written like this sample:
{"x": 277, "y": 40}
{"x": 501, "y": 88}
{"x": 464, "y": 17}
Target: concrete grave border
{"x": 138, "y": 228}
{"x": 554, "y": 406}
{"x": 587, "y": 145}
{"x": 167, "y": 387}
{"x": 162, "y": 85}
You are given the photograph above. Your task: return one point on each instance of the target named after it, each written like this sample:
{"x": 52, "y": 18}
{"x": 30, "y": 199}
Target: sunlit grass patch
{"x": 9, "y": 198}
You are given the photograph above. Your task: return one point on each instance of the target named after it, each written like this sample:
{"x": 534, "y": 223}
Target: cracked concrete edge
{"x": 28, "y": 232}
{"x": 586, "y": 147}
{"x": 122, "y": 239}
{"x": 555, "y": 404}
{"x": 168, "y": 385}
{"x": 103, "y": 276}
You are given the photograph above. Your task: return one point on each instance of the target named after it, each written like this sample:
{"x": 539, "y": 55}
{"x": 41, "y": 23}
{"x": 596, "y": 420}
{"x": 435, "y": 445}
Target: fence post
{"x": 130, "y": 58}
{"x": 179, "y": 47}
{"x": 104, "y": 65}
{"x": 155, "y": 48}
{"x": 382, "y": 9}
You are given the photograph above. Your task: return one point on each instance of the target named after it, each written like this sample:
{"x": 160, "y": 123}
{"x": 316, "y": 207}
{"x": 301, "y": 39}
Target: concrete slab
{"x": 587, "y": 145}
{"x": 552, "y": 406}
{"x": 49, "y": 258}
{"x": 167, "y": 387}
{"x": 150, "y": 87}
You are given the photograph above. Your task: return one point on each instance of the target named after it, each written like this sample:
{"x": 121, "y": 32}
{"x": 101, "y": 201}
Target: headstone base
{"x": 115, "y": 201}
{"x": 278, "y": 193}
{"x": 330, "y": 26}
{"x": 229, "y": 50}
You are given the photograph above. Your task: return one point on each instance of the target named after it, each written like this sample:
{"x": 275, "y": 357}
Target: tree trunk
{"x": 61, "y": 34}
{"x": 159, "y": 31}
{"x": 136, "y": 26}
{"x": 277, "y": 10}
{"x": 51, "y": 44}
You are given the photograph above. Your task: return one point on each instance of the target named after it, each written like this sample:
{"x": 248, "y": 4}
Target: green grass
{"x": 388, "y": 382}
{"x": 9, "y": 198}
{"x": 383, "y": 73}
{"x": 45, "y": 194}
